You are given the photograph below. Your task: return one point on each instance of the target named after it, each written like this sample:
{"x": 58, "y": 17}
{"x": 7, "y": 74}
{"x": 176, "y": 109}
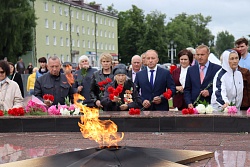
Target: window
{"x": 83, "y": 44}
{"x": 82, "y": 15}
{"x": 77, "y": 15}
{"x": 100, "y": 20}
{"x": 101, "y": 33}
{"x": 66, "y": 12}
{"x": 113, "y": 35}
{"x": 105, "y": 34}
{"x": 93, "y": 44}
{"x": 72, "y": 13}
{"x": 78, "y": 43}
{"x": 96, "y": 21}
{"x": 97, "y": 45}
{"x": 67, "y": 41}
{"x": 53, "y": 9}
{"x": 77, "y": 29}
{"x": 92, "y": 18}
{"x": 88, "y": 44}
{"x": 61, "y": 26}
{"x": 61, "y": 41}
{"x": 72, "y": 28}
{"x": 60, "y": 10}
{"x": 101, "y": 46}
{"x": 73, "y": 42}
{"x": 62, "y": 58}
{"x": 67, "y": 27}
{"x": 54, "y": 24}
{"x": 47, "y": 40}
{"x": 46, "y": 7}
{"x": 54, "y": 40}
{"x": 87, "y": 17}
{"x": 109, "y": 22}
{"x": 93, "y": 31}
{"x": 46, "y": 23}
{"x": 113, "y": 24}
{"x": 83, "y": 30}
{"x": 113, "y": 47}
{"x": 88, "y": 31}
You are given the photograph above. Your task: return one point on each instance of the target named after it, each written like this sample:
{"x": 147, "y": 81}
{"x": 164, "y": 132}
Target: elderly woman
{"x": 100, "y": 76}
{"x": 179, "y": 77}
{"x": 10, "y": 94}
{"x": 228, "y": 82}
{"x": 82, "y": 79}
{"x": 125, "y": 98}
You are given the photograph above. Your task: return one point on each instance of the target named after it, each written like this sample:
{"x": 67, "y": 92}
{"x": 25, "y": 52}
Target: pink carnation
{"x": 33, "y": 107}
{"x": 62, "y": 106}
{"x": 195, "y": 111}
{"x": 53, "y": 110}
{"x": 71, "y": 107}
{"x": 232, "y": 109}
{"x": 248, "y": 110}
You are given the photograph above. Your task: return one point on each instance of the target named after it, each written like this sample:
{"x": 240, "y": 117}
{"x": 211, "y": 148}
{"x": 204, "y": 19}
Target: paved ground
{"x": 231, "y": 149}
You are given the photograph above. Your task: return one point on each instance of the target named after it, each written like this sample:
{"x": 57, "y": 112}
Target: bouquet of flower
{"x": 248, "y": 110}
{"x": 190, "y": 111}
{"x": 35, "y": 107}
{"x": 133, "y": 111}
{"x": 16, "y": 111}
{"x": 231, "y": 109}
{"x": 102, "y": 85}
{"x": 1, "y": 113}
{"x": 204, "y": 108}
{"x": 114, "y": 92}
{"x": 63, "y": 110}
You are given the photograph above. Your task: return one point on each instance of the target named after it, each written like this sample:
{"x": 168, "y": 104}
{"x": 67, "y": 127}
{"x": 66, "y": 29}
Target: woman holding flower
{"x": 121, "y": 94}
{"x": 228, "y": 82}
{"x": 10, "y": 94}
{"x": 100, "y": 79}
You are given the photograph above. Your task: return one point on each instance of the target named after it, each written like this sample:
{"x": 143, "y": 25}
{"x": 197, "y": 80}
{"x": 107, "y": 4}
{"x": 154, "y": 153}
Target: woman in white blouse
{"x": 179, "y": 76}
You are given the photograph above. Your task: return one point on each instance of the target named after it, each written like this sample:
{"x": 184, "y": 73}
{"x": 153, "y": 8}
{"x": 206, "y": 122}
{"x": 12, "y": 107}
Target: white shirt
{"x": 183, "y": 74}
{"x": 149, "y": 73}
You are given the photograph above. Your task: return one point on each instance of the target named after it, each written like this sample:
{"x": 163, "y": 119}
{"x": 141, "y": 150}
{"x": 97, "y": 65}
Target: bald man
{"x": 136, "y": 63}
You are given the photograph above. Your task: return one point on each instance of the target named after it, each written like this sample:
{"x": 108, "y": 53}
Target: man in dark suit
{"x": 153, "y": 82}
{"x": 199, "y": 77}
{"x": 136, "y": 63}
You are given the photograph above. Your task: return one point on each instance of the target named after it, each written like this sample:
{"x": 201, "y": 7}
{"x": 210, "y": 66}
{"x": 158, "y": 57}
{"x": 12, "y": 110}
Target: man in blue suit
{"x": 153, "y": 82}
{"x": 199, "y": 77}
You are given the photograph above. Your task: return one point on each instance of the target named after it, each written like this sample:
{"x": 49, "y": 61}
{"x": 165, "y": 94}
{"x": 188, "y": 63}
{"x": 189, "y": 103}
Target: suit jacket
{"x": 178, "y": 99}
{"x": 193, "y": 86}
{"x": 163, "y": 80}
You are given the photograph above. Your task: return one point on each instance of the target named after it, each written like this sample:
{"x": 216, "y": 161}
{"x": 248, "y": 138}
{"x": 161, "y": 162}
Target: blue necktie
{"x": 152, "y": 78}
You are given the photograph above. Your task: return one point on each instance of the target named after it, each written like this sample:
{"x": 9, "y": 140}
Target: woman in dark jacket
{"x": 127, "y": 97}
{"x": 179, "y": 76}
{"x": 16, "y": 77}
{"x": 100, "y": 79}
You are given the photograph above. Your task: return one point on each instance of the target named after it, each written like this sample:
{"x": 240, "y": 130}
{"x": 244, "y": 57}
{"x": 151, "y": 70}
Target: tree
{"x": 224, "y": 41}
{"x": 131, "y": 28}
{"x": 111, "y": 9}
{"x": 17, "y": 20}
{"x": 155, "y": 35}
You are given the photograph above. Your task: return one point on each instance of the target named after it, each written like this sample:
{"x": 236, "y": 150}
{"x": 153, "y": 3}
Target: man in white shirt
{"x": 136, "y": 63}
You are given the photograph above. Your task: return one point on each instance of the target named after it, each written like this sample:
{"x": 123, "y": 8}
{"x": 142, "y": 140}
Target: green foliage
{"x": 17, "y": 20}
{"x": 111, "y": 9}
{"x": 37, "y": 113}
{"x": 224, "y": 41}
{"x": 67, "y": 101}
{"x": 204, "y": 102}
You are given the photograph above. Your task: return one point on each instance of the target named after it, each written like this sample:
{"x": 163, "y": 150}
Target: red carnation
{"x": 1, "y": 113}
{"x": 116, "y": 93}
{"x": 108, "y": 80}
{"x": 119, "y": 88}
{"x": 100, "y": 84}
{"x": 110, "y": 89}
{"x": 191, "y": 111}
{"x": 167, "y": 94}
{"x": 133, "y": 111}
{"x": 111, "y": 96}
{"x": 48, "y": 97}
{"x": 185, "y": 111}
{"x": 172, "y": 68}
{"x": 101, "y": 88}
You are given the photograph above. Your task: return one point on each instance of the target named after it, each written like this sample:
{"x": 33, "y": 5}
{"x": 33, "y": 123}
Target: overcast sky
{"x": 230, "y": 15}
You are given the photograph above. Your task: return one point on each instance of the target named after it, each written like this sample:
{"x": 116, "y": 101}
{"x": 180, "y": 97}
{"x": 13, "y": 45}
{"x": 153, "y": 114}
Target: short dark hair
{"x": 42, "y": 60}
{"x": 188, "y": 53}
{"x": 5, "y": 66}
{"x": 241, "y": 40}
{"x": 10, "y": 63}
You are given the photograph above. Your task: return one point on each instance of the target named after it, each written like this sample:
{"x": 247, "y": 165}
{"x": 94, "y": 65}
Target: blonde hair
{"x": 106, "y": 56}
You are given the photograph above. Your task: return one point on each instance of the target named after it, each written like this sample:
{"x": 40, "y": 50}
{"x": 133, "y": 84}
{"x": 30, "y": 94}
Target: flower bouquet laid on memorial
{"x": 36, "y": 106}
{"x": 189, "y": 111}
{"x": 134, "y": 111}
{"x": 231, "y": 109}
{"x": 204, "y": 108}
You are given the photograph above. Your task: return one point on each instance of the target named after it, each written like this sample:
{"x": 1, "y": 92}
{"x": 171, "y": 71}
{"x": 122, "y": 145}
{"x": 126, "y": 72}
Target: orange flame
{"x": 103, "y": 132}
{"x": 69, "y": 75}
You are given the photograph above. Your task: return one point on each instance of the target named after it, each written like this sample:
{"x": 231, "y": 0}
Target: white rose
{"x": 64, "y": 111}
{"x": 225, "y": 110}
{"x": 201, "y": 109}
{"x": 209, "y": 109}
{"x": 76, "y": 112}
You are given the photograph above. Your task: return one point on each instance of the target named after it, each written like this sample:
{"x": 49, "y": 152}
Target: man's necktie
{"x": 202, "y": 73}
{"x": 152, "y": 78}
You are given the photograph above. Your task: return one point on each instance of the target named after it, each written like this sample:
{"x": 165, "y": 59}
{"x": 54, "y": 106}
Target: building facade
{"x": 70, "y": 29}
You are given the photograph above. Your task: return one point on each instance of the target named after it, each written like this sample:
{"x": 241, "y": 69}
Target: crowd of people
{"x": 116, "y": 88}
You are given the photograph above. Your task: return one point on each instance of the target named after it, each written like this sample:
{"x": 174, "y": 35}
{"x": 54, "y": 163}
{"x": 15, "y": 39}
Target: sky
{"x": 227, "y": 15}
